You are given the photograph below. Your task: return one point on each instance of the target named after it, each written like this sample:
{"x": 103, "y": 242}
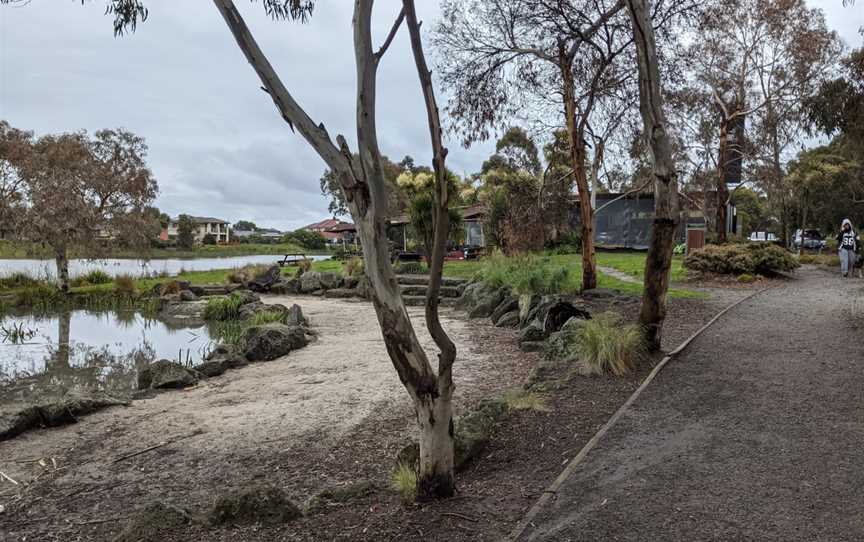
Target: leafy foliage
{"x": 739, "y": 259}
{"x": 310, "y": 240}
{"x": 185, "y": 232}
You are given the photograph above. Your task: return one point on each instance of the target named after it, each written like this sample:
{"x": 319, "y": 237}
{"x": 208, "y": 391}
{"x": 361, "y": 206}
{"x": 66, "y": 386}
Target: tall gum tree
{"x": 361, "y": 177}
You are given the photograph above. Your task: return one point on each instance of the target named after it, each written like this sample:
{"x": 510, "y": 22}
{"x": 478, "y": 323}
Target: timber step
{"x": 446, "y": 291}
{"x": 423, "y": 280}
{"x": 420, "y": 301}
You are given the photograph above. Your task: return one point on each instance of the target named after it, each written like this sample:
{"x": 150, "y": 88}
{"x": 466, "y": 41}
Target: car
{"x": 763, "y": 237}
{"x": 809, "y": 240}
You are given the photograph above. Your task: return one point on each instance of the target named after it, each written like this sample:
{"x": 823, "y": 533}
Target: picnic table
{"x": 292, "y": 259}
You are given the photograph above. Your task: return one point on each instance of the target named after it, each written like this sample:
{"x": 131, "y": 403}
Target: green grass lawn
{"x": 633, "y": 263}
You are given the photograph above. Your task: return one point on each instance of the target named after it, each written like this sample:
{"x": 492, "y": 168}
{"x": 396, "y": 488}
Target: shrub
{"x": 354, "y": 267}
{"x": 405, "y": 483}
{"x": 223, "y": 308}
{"x": 125, "y": 285}
{"x": 304, "y": 266}
{"x": 746, "y": 278}
{"x": 737, "y": 259}
{"x": 606, "y": 345}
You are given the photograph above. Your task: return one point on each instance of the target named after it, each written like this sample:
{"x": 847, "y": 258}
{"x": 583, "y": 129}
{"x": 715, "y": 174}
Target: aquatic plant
{"x": 223, "y": 308}
{"x": 16, "y": 333}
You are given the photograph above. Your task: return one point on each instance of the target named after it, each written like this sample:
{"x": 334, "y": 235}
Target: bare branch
{"x": 396, "y": 24}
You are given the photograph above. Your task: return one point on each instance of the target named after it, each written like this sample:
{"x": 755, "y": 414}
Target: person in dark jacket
{"x": 847, "y": 241}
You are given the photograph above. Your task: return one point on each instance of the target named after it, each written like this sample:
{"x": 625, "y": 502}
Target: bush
{"x": 303, "y": 266}
{"x": 354, "y": 267}
{"x": 209, "y": 239}
{"x": 605, "y": 345}
{"x": 223, "y": 308}
{"x": 125, "y": 285}
{"x": 738, "y": 259}
{"x": 746, "y": 278}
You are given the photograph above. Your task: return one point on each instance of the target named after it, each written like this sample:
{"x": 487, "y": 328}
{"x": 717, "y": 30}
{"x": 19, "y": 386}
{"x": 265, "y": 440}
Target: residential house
{"x": 203, "y": 226}
{"x": 335, "y": 231}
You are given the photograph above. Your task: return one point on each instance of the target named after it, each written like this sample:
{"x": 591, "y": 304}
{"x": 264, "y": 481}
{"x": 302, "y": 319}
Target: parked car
{"x": 809, "y": 240}
{"x": 763, "y": 237}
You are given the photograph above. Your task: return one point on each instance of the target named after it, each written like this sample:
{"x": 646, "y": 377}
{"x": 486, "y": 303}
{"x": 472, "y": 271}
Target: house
{"x": 625, "y": 220}
{"x": 335, "y": 231}
{"x": 202, "y": 227}
{"x": 473, "y": 234}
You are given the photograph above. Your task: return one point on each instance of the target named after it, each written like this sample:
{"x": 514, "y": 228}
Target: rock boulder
{"x": 271, "y": 341}
{"x": 165, "y": 374}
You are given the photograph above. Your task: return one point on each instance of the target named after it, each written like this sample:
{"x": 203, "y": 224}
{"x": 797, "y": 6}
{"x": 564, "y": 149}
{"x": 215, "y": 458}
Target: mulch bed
{"x": 526, "y": 453}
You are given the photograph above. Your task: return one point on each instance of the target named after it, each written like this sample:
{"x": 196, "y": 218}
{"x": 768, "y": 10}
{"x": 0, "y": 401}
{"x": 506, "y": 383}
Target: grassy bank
{"x": 19, "y": 250}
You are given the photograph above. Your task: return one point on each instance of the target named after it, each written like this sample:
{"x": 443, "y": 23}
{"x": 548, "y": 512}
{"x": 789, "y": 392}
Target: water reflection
{"x": 81, "y": 349}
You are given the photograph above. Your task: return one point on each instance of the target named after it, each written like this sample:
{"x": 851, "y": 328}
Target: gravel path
{"x": 755, "y": 433}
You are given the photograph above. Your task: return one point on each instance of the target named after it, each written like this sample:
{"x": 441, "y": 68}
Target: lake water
{"x": 86, "y": 349}
{"x": 117, "y": 266}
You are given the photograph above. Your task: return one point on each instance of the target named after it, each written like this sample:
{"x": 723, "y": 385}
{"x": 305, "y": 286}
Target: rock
{"x": 532, "y": 346}
{"x": 469, "y": 296}
{"x": 53, "y": 411}
{"x": 552, "y": 311}
{"x": 511, "y": 319}
{"x": 340, "y": 293}
{"x": 330, "y": 280}
{"x": 264, "y": 281}
{"x": 364, "y": 288}
{"x": 271, "y": 341}
{"x": 187, "y": 295}
{"x": 246, "y": 296}
{"x": 486, "y": 300}
{"x": 211, "y": 289}
{"x": 267, "y": 505}
{"x": 338, "y": 495}
{"x": 527, "y": 303}
{"x": 350, "y": 282}
{"x": 249, "y": 310}
{"x": 164, "y": 374}
{"x": 286, "y": 287}
{"x": 532, "y": 332}
{"x": 153, "y": 523}
{"x": 191, "y": 311}
{"x": 573, "y": 324}
{"x": 509, "y": 304}
{"x": 220, "y": 360}
{"x": 295, "y": 317}
{"x": 310, "y": 282}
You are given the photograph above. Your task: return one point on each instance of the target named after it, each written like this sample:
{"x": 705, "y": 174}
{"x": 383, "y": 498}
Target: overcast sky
{"x": 217, "y": 145}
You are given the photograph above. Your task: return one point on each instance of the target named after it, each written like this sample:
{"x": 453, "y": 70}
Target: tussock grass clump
{"x": 125, "y": 285}
{"x": 525, "y": 400}
{"x": 354, "y": 267}
{"x": 223, "y": 308}
{"x": 605, "y": 345}
{"x": 404, "y": 482}
{"x": 746, "y": 278}
{"x": 96, "y": 276}
{"x": 267, "y": 317}
{"x": 525, "y": 273}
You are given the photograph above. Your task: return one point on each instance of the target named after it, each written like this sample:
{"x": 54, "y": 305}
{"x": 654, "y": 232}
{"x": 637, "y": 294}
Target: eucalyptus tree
{"x": 77, "y": 190}
{"x": 504, "y": 58}
{"x": 759, "y": 60}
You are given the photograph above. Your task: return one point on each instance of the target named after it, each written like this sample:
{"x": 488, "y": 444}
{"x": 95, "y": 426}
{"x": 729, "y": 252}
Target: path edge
{"x": 529, "y": 516}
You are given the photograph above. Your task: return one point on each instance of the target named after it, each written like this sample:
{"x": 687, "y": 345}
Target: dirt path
{"x": 282, "y": 421}
{"x": 755, "y": 433}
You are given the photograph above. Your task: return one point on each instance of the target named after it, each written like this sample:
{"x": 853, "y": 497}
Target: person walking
{"x": 847, "y": 241}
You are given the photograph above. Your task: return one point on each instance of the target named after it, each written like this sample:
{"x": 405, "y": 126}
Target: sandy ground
{"x": 310, "y": 398}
